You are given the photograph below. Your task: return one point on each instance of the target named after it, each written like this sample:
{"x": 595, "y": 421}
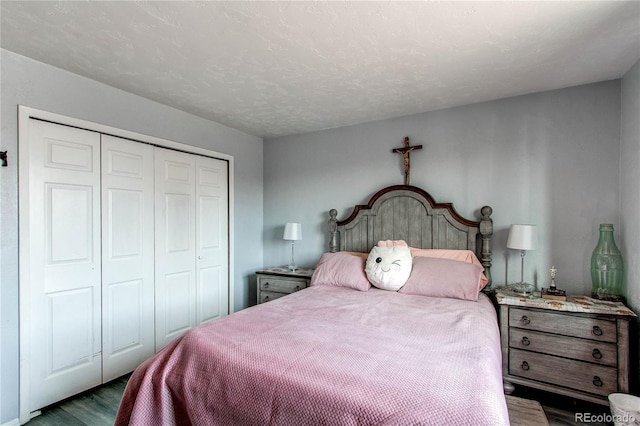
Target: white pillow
{"x": 389, "y": 265}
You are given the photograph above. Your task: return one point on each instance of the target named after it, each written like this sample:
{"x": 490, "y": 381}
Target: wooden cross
{"x": 406, "y": 151}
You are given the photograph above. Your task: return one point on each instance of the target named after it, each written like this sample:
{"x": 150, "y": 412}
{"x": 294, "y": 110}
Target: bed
{"x": 342, "y": 352}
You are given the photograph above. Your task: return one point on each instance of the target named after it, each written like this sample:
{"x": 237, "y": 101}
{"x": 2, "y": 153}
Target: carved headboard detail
{"x": 404, "y": 212}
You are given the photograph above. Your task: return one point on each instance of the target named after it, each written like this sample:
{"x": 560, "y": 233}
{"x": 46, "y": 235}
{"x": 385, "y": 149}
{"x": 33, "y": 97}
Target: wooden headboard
{"x": 404, "y": 212}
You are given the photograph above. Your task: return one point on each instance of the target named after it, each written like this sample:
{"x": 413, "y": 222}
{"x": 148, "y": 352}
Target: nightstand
{"x": 578, "y": 347}
{"x": 280, "y": 281}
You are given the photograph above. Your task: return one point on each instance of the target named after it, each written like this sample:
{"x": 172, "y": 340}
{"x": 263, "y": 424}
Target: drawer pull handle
{"x": 525, "y": 320}
{"x": 525, "y": 341}
{"x": 266, "y": 285}
{"x": 297, "y": 287}
{"x": 596, "y": 354}
{"x": 525, "y": 366}
{"x": 597, "y": 330}
{"x": 597, "y": 381}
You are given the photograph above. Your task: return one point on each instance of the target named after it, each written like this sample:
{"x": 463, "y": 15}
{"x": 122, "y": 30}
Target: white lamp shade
{"x": 522, "y": 237}
{"x": 292, "y": 231}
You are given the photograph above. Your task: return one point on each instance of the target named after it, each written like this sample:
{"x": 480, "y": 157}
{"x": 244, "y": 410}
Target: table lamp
{"x": 523, "y": 238}
{"x": 292, "y": 232}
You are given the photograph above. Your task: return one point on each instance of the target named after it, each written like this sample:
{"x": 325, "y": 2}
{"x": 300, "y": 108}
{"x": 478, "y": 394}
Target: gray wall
{"x": 630, "y": 188}
{"x": 40, "y": 86}
{"x": 550, "y": 158}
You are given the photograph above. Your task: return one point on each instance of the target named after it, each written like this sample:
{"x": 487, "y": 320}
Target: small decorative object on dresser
{"x": 607, "y": 268}
{"x": 279, "y": 281}
{"x": 578, "y": 347}
{"x": 553, "y": 293}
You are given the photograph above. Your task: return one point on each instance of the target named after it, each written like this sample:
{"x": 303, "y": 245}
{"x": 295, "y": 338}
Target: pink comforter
{"x": 331, "y": 356}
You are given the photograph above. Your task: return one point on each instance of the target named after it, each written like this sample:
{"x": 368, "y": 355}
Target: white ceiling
{"x": 280, "y": 68}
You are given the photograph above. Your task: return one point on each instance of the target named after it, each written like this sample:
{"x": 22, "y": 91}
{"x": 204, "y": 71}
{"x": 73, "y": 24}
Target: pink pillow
{"x": 356, "y": 253}
{"x": 467, "y": 256}
{"x": 439, "y": 277}
{"x": 341, "y": 270}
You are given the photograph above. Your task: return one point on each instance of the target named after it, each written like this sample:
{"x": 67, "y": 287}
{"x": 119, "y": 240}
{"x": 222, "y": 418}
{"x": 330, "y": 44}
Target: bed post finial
{"x": 486, "y": 231}
{"x": 333, "y": 230}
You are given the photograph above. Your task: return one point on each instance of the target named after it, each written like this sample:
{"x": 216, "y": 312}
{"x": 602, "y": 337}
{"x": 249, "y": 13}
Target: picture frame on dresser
{"x": 577, "y": 348}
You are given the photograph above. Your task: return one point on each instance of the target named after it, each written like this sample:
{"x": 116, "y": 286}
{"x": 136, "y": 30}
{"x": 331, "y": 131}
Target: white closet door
{"x": 127, "y": 255}
{"x": 64, "y": 262}
{"x": 212, "y": 239}
{"x": 175, "y": 251}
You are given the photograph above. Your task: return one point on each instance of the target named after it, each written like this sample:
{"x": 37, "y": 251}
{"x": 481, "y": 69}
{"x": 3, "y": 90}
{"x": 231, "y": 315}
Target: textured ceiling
{"x": 279, "y": 68}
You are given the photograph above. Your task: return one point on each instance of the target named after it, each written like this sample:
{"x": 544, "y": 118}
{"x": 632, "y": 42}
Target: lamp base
{"x": 522, "y": 289}
{"x": 292, "y": 266}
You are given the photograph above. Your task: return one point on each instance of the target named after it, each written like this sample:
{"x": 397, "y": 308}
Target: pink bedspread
{"x": 331, "y": 356}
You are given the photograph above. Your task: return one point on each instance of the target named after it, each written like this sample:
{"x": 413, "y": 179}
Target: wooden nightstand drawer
{"x": 281, "y": 285}
{"x": 591, "y": 378}
{"x": 267, "y": 296}
{"x": 557, "y": 323}
{"x": 567, "y": 347}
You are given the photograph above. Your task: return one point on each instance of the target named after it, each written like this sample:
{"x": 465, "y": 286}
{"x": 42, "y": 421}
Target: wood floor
{"x": 562, "y": 411}
{"x": 98, "y": 407}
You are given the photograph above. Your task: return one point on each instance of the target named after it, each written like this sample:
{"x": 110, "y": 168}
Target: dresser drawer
{"x": 569, "y": 347}
{"x": 591, "y": 378}
{"x": 267, "y": 296}
{"x": 569, "y": 325}
{"x": 282, "y": 285}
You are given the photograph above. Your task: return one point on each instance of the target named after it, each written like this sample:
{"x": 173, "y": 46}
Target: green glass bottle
{"x": 607, "y": 268}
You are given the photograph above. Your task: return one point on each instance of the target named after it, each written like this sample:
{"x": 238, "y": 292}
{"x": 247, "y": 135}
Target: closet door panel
{"x": 128, "y": 255}
{"x": 210, "y": 290}
{"x": 70, "y": 336}
{"x": 212, "y": 239}
{"x": 175, "y": 245}
{"x": 178, "y": 303}
{"x": 64, "y": 262}
{"x": 70, "y": 236}
{"x": 126, "y": 328}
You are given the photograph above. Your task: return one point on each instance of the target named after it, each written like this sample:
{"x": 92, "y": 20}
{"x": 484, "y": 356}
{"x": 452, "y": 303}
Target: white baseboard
{"x": 14, "y": 422}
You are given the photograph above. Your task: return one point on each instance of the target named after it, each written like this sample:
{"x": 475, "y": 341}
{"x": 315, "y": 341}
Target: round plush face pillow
{"x": 389, "y": 267}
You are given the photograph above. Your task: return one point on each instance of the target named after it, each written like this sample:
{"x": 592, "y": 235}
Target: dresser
{"x": 276, "y": 282}
{"x": 578, "y": 347}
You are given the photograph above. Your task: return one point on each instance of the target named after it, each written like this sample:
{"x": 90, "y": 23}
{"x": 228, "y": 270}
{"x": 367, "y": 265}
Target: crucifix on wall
{"x": 406, "y": 152}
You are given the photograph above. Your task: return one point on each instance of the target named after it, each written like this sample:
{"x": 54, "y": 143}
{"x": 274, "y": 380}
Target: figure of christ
{"x": 406, "y": 152}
